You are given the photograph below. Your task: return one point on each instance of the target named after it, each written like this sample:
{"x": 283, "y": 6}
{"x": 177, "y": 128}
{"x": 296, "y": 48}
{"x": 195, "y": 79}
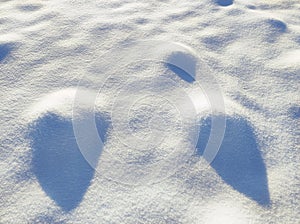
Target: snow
{"x": 149, "y": 112}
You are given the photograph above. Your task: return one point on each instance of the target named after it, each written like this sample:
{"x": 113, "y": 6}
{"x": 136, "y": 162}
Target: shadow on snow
{"x": 239, "y": 161}
{"x": 57, "y": 162}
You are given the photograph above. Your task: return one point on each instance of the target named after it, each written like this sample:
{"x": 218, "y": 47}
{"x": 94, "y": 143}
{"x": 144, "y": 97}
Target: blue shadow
{"x": 5, "y": 49}
{"x": 57, "y": 162}
{"x": 181, "y": 73}
{"x": 30, "y": 7}
{"x": 224, "y": 2}
{"x": 278, "y": 25}
{"x": 276, "y": 28}
{"x": 239, "y": 161}
{"x": 295, "y": 112}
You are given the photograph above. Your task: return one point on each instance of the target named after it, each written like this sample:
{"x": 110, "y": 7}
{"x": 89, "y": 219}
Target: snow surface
{"x": 61, "y": 61}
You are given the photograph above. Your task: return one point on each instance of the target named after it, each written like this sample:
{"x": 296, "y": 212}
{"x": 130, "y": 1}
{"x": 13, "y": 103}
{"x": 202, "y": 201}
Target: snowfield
{"x": 150, "y": 111}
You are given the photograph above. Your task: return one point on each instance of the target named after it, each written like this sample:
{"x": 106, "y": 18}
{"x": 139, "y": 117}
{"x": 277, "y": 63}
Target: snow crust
{"x": 148, "y": 114}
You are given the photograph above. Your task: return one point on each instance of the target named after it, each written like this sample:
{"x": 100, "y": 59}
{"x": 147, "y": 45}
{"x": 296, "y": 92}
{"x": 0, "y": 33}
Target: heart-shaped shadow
{"x": 57, "y": 162}
{"x": 239, "y": 161}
